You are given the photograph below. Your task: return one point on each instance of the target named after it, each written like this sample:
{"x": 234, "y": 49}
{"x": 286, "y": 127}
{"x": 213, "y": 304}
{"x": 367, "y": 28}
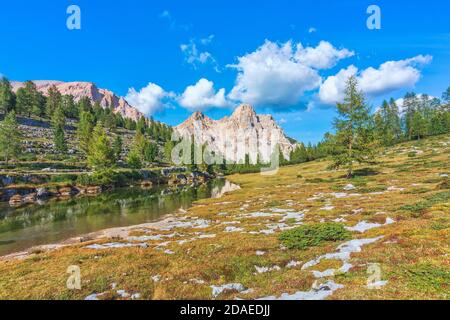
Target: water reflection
{"x": 54, "y": 221}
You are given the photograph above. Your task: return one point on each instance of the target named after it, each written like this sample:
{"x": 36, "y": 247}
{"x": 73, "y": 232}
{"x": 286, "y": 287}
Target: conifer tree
{"x": 354, "y": 139}
{"x": 84, "y": 131}
{"x": 10, "y": 138}
{"x": 117, "y": 147}
{"x": 54, "y": 101}
{"x": 58, "y": 123}
{"x": 7, "y": 96}
{"x": 101, "y": 155}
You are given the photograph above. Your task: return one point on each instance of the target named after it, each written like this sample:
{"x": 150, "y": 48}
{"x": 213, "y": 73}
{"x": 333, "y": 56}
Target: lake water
{"x": 57, "y": 220}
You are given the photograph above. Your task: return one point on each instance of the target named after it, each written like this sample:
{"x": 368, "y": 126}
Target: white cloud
{"x": 149, "y": 99}
{"x": 324, "y": 56}
{"x": 273, "y": 76}
{"x": 207, "y": 40}
{"x": 202, "y": 96}
{"x": 390, "y": 76}
{"x": 194, "y": 56}
{"x": 333, "y": 88}
{"x": 312, "y": 30}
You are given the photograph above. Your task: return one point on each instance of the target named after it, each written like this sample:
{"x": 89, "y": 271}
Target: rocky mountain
{"x": 89, "y": 89}
{"x": 244, "y": 132}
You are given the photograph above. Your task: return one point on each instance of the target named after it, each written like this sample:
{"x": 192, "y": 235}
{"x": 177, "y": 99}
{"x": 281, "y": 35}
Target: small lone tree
{"x": 58, "y": 121}
{"x": 84, "y": 131}
{"x": 10, "y": 138}
{"x": 101, "y": 155}
{"x": 117, "y": 147}
{"x": 354, "y": 140}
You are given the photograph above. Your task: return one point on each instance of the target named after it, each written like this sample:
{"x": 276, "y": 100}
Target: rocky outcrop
{"x": 78, "y": 90}
{"x": 233, "y": 137}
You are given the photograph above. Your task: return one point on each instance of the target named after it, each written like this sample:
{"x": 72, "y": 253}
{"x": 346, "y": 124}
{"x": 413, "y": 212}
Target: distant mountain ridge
{"x": 79, "y": 89}
{"x": 229, "y": 135}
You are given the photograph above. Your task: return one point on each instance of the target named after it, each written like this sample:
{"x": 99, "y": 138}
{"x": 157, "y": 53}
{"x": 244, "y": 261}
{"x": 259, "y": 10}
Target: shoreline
{"x": 116, "y": 232}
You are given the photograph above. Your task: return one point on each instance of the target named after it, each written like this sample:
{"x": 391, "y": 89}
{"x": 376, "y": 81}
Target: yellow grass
{"x": 413, "y": 254}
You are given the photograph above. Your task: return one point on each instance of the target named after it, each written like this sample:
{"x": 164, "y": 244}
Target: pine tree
{"x": 354, "y": 130}
{"x": 117, "y": 147}
{"x": 84, "y": 132}
{"x": 29, "y": 100}
{"x": 134, "y": 160}
{"x": 54, "y": 101}
{"x": 58, "y": 122}
{"x": 100, "y": 155}
{"x": 7, "y": 97}
{"x": 10, "y": 138}
{"x": 394, "y": 120}
{"x": 84, "y": 105}
{"x": 410, "y": 104}
{"x": 168, "y": 147}
{"x": 69, "y": 106}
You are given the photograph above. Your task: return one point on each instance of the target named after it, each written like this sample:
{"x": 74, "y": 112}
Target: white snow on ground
{"x": 320, "y": 293}
{"x": 233, "y": 229}
{"x": 152, "y": 238}
{"x": 293, "y": 264}
{"x": 343, "y": 251}
{"x": 363, "y": 226}
{"x": 116, "y": 245}
{"x": 217, "y": 290}
{"x": 297, "y": 216}
{"x": 267, "y": 269}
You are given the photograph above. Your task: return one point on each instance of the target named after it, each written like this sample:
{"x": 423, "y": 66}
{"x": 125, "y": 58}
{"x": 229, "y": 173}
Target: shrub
{"x": 444, "y": 184}
{"x": 313, "y": 235}
{"x": 420, "y": 207}
{"x": 108, "y": 177}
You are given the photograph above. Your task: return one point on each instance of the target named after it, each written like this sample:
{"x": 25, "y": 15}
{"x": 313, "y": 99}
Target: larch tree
{"x": 7, "y": 96}
{"x": 354, "y": 140}
{"x": 10, "y": 138}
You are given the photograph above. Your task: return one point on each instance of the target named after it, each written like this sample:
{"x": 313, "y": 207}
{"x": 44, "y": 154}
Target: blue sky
{"x": 240, "y": 49}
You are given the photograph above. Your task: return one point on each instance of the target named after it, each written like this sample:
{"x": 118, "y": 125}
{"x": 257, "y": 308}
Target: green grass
{"x": 419, "y": 207}
{"x": 313, "y": 235}
{"x": 428, "y": 277}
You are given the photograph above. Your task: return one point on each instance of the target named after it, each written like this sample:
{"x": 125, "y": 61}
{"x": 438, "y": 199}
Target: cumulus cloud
{"x": 202, "y": 96}
{"x": 312, "y": 30}
{"x": 149, "y": 99}
{"x": 333, "y": 88}
{"x": 388, "y": 77}
{"x": 324, "y": 56}
{"x": 392, "y": 75}
{"x": 273, "y": 76}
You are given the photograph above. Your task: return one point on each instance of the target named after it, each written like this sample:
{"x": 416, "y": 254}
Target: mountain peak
{"x": 230, "y": 135}
{"x": 244, "y": 110}
{"x": 79, "y": 89}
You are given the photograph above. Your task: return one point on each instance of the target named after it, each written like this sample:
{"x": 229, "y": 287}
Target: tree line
{"x": 358, "y": 132}
{"x": 93, "y": 122}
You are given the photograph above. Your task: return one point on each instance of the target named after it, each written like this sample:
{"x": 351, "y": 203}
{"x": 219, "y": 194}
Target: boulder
{"x": 146, "y": 184}
{"x": 94, "y": 190}
{"x": 16, "y": 200}
{"x": 43, "y": 193}
{"x": 29, "y": 198}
